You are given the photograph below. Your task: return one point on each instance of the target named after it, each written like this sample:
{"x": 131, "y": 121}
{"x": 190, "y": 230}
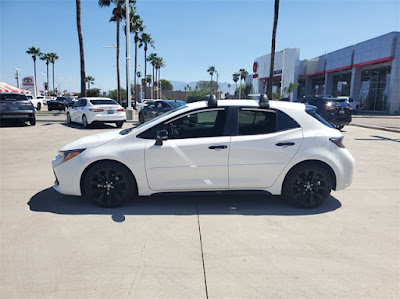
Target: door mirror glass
{"x": 161, "y": 136}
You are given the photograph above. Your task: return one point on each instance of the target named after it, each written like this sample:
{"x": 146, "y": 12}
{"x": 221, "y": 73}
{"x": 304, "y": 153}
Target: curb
{"x": 375, "y": 127}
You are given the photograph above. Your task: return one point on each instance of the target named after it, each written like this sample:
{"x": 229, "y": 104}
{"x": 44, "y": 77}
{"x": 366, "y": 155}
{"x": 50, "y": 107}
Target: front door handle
{"x": 217, "y": 146}
{"x": 285, "y": 144}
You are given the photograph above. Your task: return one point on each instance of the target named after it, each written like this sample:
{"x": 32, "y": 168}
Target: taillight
{"x": 96, "y": 110}
{"x": 121, "y": 110}
{"x": 3, "y": 103}
{"x": 338, "y": 141}
{"x": 330, "y": 108}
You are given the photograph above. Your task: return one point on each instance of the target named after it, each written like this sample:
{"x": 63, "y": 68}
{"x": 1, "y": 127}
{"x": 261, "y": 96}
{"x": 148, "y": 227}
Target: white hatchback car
{"x": 282, "y": 147}
{"x": 87, "y": 111}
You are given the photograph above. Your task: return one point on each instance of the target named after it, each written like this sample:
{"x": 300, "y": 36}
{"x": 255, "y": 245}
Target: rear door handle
{"x": 217, "y": 146}
{"x": 285, "y": 144}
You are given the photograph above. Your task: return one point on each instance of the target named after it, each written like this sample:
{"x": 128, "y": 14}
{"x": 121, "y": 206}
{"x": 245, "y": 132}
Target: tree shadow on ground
{"x": 235, "y": 203}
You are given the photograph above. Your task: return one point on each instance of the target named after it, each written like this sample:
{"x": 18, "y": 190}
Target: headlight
{"x": 68, "y": 155}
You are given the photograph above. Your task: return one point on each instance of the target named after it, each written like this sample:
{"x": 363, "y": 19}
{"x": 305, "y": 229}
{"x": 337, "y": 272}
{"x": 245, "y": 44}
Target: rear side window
{"x": 255, "y": 122}
{"x": 311, "y": 111}
{"x": 103, "y": 102}
{"x": 285, "y": 122}
{"x": 13, "y": 97}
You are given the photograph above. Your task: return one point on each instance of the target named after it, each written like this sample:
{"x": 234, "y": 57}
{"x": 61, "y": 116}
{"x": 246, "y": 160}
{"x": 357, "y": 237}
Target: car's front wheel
{"x": 69, "y": 118}
{"x": 38, "y": 107}
{"x": 85, "y": 122}
{"x": 141, "y": 118}
{"x": 307, "y": 186}
{"x": 109, "y": 184}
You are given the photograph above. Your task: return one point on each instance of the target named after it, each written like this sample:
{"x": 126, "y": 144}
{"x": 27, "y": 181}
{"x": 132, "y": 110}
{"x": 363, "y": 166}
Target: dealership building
{"x": 369, "y": 72}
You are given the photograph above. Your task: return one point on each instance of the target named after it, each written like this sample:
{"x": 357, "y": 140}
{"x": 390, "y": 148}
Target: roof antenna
{"x": 212, "y": 101}
{"x": 264, "y": 102}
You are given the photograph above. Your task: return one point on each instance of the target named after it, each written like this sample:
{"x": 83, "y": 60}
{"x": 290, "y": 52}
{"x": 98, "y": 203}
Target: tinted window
{"x": 82, "y": 103}
{"x": 285, "y": 122}
{"x": 206, "y": 123}
{"x": 176, "y": 103}
{"x": 254, "y": 122}
{"x": 12, "y": 97}
{"x": 103, "y": 102}
{"x": 311, "y": 111}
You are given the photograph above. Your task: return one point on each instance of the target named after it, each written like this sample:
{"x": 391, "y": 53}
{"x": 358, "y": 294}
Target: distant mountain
{"x": 223, "y": 86}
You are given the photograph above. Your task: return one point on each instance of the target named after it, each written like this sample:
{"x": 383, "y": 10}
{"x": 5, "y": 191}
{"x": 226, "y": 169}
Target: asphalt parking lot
{"x": 216, "y": 246}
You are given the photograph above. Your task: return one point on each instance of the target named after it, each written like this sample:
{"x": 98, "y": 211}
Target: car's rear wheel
{"x": 307, "y": 186}
{"x": 119, "y": 124}
{"x": 109, "y": 184}
{"x": 38, "y": 107}
{"x": 49, "y": 109}
{"x": 69, "y": 118}
{"x": 141, "y": 118}
{"x": 32, "y": 120}
{"x": 85, "y": 122}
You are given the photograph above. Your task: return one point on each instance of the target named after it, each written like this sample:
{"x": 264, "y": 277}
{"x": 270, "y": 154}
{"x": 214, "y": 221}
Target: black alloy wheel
{"x": 108, "y": 184}
{"x": 307, "y": 186}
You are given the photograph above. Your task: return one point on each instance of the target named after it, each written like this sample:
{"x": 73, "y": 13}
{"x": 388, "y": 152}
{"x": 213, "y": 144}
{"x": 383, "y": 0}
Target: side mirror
{"x": 351, "y": 100}
{"x": 161, "y": 136}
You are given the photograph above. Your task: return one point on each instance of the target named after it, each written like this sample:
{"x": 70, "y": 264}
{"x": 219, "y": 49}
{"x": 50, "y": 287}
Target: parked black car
{"x": 61, "y": 103}
{"x": 335, "y": 111}
{"x": 16, "y": 106}
{"x": 156, "y": 108}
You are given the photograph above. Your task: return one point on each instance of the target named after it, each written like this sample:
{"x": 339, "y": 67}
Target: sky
{"x": 190, "y": 35}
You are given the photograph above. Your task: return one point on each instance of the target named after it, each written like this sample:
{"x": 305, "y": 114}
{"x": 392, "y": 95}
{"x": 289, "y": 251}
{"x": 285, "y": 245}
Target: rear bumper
{"x": 111, "y": 118}
{"x": 17, "y": 115}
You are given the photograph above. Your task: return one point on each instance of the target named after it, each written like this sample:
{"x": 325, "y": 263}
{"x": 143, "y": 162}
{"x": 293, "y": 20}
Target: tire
{"x": 85, "y": 122}
{"x": 141, "y": 118}
{"x": 340, "y": 127}
{"x": 38, "y": 107}
{"x": 32, "y": 120}
{"x": 119, "y": 124}
{"x": 307, "y": 186}
{"x": 69, "y": 118}
{"x": 108, "y": 184}
{"x": 49, "y": 109}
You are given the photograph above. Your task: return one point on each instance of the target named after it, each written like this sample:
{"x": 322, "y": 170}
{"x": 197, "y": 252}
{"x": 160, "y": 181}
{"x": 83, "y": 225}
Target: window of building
{"x": 318, "y": 85}
{"x": 341, "y": 85}
{"x": 374, "y": 88}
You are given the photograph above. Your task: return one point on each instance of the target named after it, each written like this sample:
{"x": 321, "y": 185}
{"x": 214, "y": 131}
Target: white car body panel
{"x": 189, "y": 165}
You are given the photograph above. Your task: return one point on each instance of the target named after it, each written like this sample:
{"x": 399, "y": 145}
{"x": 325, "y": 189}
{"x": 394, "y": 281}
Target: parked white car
{"x": 87, "y": 111}
{"x": 283, "y": 148}
{"x": 37, "y": 103}
{"x": 354, "y": 104}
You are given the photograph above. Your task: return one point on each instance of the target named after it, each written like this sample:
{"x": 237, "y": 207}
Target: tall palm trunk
{"x": 53, "y": 75}
{"x": 154, "y": 80}
{"x": 48, "y": 84}
{"x": 211, "y": 87}
{"x": 81, "y": 52}
{"x": 34, "y": 72}
{"x": 136, "y": 41}
{"x": 159, "y": 82}
{"x": 118, "y": 78}
{"x": 145, "y": 70}
{"x": 271, "y": 67}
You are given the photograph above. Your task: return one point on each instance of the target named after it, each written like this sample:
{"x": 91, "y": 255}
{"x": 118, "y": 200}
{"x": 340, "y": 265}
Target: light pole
{"x": 44, "y": 85}
{"x": 139, "y": 74}
{"x": 17, "y": 75}
{"x": 59, "y": 86}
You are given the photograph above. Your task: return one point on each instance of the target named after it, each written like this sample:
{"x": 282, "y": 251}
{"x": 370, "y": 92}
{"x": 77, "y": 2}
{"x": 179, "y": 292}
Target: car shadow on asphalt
{"x": 241, "y": 203}
{"x": 92, "y": 126}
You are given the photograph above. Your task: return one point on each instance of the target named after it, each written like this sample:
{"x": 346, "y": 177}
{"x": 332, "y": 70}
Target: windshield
{"x": 103, "y": 102}
{"x": 129, "y": 130}
{"x": 176, "y": 103}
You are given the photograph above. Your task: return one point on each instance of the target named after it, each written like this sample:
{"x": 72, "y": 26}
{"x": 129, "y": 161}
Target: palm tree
{"x": 243, "y": 75}
{"x": 152, "y": 59}
{"x": 159, "y": 64}
{"x": 271, "y": 66}
{"x": 211, "y": 70}
{"x": 35, "y": 52}
{"x": 81, "y": 52}
{"x": 89, "y": 80}
{"x": 117, "y": 15}
{"x": 146, "y": 40}
{"x": 136, "y": 26}
{"x": 235, "y": 77}
{"x": 47, "y": 58}
{"x": 53, "y": 58}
